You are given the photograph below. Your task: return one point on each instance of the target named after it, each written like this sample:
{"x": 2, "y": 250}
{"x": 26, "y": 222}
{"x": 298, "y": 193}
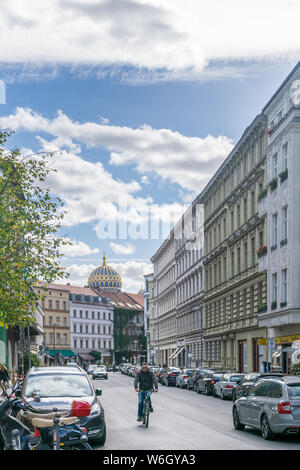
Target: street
{"x": 182, "y": 420}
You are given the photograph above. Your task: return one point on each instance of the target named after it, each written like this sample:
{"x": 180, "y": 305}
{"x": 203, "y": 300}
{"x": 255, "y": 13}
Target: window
{"x": 274, "y": 166}
{"x": 239, "y": 260}
{"x": 65, "y": 321}
{"x": 232, "y": 221}
{"x": 274, "y": 229}
{"x": 50, "y": 304}
{"x": 50, "y": 321}
{"x": 285, "y": 156}
{"x": 284, "y": 223}
{"x": 245, "y": 210}
{"x": 57, "y": 320}
{"x": 245, "y": 255}
{"x": 252, "y": 300}
{"x": 51, "y": 338}
{"x": 238, "y": 216}
{"x": 274, "y": 287}
{"x": 65, "y": 305}
{"x": 57, "y": 338}
{"x": 252, "y": 203}
{"x": 284, "y": 286}
{"x": 265, "y": 389}
{"x": 64, "y": 338}
{"x": 74, "y": 313}
{"x": 232, "y": 263}
{"x": 57, "y": 305}
{"x": 253, "y": 251}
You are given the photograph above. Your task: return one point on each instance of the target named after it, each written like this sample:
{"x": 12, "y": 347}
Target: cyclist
{"x": 144, "y": 383}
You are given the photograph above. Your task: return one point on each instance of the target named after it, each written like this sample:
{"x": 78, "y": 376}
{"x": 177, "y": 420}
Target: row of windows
{"x": 106, "y": 330}
{"x": 283, "y": 287}
{"x": 236, "y": 306}
{"x": 283, "y": 156}
{"x": 57, "y": 305}
{"x": 284, "y": 226}
{"x": 91, "y": 344}
{"x": 93, "y": 315}
{"x": 58, "y": 321}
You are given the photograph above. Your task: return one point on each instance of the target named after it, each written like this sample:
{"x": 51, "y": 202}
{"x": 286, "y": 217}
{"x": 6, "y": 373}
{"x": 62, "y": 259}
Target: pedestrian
{"x": 144, "y": 383}
{"x": 4, "y": 377}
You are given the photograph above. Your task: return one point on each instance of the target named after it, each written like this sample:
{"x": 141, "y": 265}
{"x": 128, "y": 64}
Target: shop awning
{"x": 177, "y": 352}
{"x": 86, "y": 357}
{"x": 63, "y": 352}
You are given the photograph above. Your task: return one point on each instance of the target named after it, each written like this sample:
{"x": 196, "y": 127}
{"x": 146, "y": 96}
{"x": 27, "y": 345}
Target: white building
{"x": 281, "y": 256}
{"x": 91, "y": 324}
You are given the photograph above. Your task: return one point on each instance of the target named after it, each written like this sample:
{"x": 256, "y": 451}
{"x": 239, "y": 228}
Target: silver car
{"x": 271, "y": 405}
{"x": 224, "y": 387}
{"x": 182, "y": 378}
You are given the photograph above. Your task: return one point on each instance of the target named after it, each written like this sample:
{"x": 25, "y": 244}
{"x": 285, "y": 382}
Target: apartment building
{"x": 279, "y": 204}
{"x": 91, "y": 324}
{"x": 56, "y": 306}
{"x": 147, "y": 292}
{"x": 164, "y": 303}
{"x": 235, "y": 289}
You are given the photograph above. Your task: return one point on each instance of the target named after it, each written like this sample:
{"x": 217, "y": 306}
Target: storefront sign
{"x": 262, "y": 341}
{"x": 287, "y": 339}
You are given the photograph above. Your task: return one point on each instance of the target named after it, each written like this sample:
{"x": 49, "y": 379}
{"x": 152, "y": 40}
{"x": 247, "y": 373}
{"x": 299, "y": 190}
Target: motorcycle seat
{"x": 47, "y": 423}
{"x": 29, "y": 415}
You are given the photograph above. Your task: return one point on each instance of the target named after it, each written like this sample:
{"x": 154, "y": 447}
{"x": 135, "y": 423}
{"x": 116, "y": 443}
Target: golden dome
{"x": 105, "y": 277}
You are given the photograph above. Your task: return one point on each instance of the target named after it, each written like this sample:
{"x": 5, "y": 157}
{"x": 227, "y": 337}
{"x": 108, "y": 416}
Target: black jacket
{"x": 145, "y": 381}
{"x": 4, "y": 375}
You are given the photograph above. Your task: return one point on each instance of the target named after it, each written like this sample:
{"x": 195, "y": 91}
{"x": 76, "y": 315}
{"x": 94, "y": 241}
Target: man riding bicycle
{"x": 144, "y": 383}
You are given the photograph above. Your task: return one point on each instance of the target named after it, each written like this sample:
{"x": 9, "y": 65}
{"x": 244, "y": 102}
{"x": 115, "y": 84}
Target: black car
{"x": 192, "y": 381}
{"x": 168, "y": 376}
{"x": 206, "y": 383}
{"x": 249, "y": 379}
{"x": 58, "y": 387}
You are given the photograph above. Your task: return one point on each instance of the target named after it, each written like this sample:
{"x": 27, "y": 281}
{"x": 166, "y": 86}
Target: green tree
{"x": 96, "y": 354}
{"x": 30, "y": 217}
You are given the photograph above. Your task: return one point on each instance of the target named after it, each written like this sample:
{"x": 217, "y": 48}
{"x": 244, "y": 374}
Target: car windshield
{"x": 100, "y": 369}
{"x": 294, "y": 390}
{"x": 216, "y": 375}
{"x": 58, "y": 385}
{"x": 235, "y": 378}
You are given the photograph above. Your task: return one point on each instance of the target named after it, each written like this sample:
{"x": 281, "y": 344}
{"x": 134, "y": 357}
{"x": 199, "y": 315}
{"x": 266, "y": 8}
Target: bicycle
{"x": 146, "y": 410}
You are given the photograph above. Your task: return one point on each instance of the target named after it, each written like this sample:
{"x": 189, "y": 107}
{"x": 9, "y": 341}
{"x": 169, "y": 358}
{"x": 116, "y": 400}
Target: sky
{"x": 140, "y": 101}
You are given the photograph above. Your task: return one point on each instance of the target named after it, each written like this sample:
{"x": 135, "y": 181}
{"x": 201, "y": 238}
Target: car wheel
{"x": 102, "y": 439}
{"x": 214, "y": 393}
{"x": 236, "y": 420}
{"x": 222, "y": 395}
{"x": 206, "y": 391}
{"x": 266, "y": 430}
{"x": 181, "y": 385}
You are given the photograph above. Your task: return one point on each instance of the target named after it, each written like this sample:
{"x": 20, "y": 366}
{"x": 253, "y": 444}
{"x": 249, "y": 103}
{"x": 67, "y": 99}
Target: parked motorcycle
{"x": 52, "y": 431}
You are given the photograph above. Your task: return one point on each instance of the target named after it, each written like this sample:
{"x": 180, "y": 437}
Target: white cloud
{"x": 78, "y": 248}
{"x": 149, "y": 35}
{"x": 127, "y": 249}
{"x": 187, "y": 161}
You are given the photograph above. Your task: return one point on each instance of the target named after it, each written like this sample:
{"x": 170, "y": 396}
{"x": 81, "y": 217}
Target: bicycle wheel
{"x": 146, "y": 413}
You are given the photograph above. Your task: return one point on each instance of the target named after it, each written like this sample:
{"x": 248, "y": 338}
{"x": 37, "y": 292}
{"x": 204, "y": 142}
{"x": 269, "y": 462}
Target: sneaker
{"x": 139, "y": 418}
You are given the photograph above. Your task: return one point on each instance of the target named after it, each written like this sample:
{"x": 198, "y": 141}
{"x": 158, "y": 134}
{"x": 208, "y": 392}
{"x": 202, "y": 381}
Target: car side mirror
{"x": 98, "y": 392}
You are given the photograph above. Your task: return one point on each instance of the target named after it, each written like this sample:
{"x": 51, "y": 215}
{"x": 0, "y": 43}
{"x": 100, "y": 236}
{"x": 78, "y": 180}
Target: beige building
{"x": 56, "y": 306}
{"x": 235, "y": 290}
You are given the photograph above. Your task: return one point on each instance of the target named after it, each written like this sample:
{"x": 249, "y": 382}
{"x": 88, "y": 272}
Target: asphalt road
{"x": 182, "y": 420}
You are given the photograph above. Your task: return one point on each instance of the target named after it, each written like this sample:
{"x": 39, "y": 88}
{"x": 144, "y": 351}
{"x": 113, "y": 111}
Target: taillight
{"x": 36, "y": 433}
{"x": 229, "y": 386}
{"x": 171, "y": 373}
{"x": 284, "y": 408}
{"x": 185, "y": 376}
{"x": 211, "y": 382}
{"x": 84, "y": 430}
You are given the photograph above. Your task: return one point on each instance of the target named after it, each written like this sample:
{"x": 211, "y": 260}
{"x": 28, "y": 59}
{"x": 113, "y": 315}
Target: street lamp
{"x": 54, "y": 326}
{"x": 197, "y": 309}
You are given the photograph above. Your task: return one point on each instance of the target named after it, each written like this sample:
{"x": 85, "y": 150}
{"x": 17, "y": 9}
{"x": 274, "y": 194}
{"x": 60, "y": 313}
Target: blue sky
{"x": 150, "y": 122}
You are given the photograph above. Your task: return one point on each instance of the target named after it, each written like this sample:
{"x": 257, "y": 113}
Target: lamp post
{"x": 54, "y": 326}
{"x": 200, "y": 309}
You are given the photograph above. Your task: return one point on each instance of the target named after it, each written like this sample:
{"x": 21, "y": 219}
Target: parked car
{"x": 100, "y": 373}
{"x": 169, "y": 375}
{"x": 271, "y": 405}
{"x": 224, "y": 387}
{"x": 249, "y": 379}
{"x": 182, "y": 378}
{"x": 58, "y": 387}
{"x": 206, "y": 383}
{"x": 192, "y": 380}
{"x": 159, "y": 374}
